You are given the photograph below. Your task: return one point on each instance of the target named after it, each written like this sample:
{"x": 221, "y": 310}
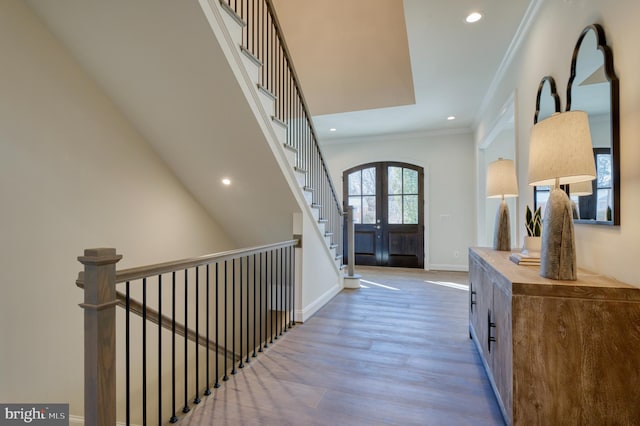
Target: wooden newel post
{"x": 99, "y": 335}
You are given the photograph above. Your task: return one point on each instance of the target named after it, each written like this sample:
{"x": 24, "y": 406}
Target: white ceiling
{"x": 452, "y": 63}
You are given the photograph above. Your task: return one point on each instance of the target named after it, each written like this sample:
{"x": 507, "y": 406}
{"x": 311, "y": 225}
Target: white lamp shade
{"x": 501, "y": 179}
{"x": 560, "y": 148}
{"x": 581, "y": 188}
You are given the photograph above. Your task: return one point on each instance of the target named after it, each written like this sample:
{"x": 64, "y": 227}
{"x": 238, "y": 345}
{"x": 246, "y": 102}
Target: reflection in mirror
{"x": 593, "y": 87}
{"x": 547, "y": 103}
{"x": 500, "y": 141}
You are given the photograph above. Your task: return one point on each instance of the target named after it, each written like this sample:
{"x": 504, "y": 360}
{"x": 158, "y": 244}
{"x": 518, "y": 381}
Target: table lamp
{"x": 502, "y": 183}
{"x": 560, "y": 153}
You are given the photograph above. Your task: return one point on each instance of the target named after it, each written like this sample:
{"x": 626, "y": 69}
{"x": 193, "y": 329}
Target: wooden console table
{"x": 556, "y": 352}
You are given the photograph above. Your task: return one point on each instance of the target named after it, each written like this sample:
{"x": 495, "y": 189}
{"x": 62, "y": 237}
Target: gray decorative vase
{"x": 502, "y": 236}
{"x": 558, "y": 252}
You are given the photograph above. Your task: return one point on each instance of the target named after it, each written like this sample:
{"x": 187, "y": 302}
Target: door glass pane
{"x": 603, "y": 198}
{"x": 410, "y": 211}
{"x": 355, "y": 183}
{"x": 395, "y": 180}
{"x": 369, "y": 209}
{"x": 356, "y": 202}
{"x": 369, "y": 181}
{"x": 603, "y": 165}
{"x": 395, "y": 209}
{"x": 410, "y": 178}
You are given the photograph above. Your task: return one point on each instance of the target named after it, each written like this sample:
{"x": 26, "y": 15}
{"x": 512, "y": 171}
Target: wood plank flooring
{"x": 395, "y": 352}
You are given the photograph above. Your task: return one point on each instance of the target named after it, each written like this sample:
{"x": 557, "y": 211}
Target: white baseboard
{"x": 313, "y": 307}
{"x": 448, "y": 267}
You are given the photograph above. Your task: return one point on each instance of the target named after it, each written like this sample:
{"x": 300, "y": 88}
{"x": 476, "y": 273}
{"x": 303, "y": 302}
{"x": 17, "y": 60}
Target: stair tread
{"x": 280, "y": 122}
{"x": 251, "y": 56}
{"x": 290, "y": 148}
{"x": 323, "y": 220}
{"x": 266, "y": 91}
{"x": 298, "y": 169}
{"x": 232, "y": 13}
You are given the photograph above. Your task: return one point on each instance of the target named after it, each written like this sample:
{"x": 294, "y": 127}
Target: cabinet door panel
{"x": 475, "y": 276}
{"x": 502, "y": 348}
{"x": 484, "y": 298}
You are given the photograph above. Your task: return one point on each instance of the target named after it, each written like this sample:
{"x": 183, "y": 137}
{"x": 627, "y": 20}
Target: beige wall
{"x": 547, "y": 50}
{"x": 73, "y": 174}
{"x": 448, "y": 162}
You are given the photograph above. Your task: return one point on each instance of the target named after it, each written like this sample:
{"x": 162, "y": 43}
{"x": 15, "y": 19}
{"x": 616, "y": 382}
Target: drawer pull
{"x": 491, "y": 325}
{"x": 472, "y": 300}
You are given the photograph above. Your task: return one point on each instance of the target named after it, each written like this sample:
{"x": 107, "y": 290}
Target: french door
{"x": 388, "y": 201}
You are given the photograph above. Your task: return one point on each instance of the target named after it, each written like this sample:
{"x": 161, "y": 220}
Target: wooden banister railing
{"x": 243, "y": 299}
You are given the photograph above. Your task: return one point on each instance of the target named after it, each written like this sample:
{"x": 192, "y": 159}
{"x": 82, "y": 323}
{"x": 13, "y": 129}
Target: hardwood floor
{"x": 395, "y": 352}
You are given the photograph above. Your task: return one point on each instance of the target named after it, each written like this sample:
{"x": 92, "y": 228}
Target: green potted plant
{"x": 532, "y": 242}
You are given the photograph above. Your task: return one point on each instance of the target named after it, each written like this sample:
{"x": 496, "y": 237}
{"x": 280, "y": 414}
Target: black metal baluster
{"x": 225, "y": 378}
{"x": 186, "y": 408}
{"x": 293, "y": 287}
{"x": 255, "y": 296}
{"x": 260, "y": 308}
{"x": 255, "y": 28}
{"x": 217, "y": 383}
{"x": 240, "y": 364}
{"x": 174, "y": 418}
{"x": 248, "y": 359}
{"x": 266, "y": 299}
{"x": 196, "y": 400}
{"x": 208, "y": 390}
{"x": 233, "y": 316}
{"x": 271, "y": 311}
{"x": 263, "y": 41}
{"x": 282, "y": 312}
{"x": 127, "y": 350}
{"x": 277, "y": 284}
{"x": 291, "y": 281}
{"x": 159, "y": 349}
{"x": 286, "y": 289}
{"x": 144, "y": 351}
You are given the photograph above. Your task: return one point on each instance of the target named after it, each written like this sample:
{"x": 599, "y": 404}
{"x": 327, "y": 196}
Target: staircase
{"x": 253, "y": 43}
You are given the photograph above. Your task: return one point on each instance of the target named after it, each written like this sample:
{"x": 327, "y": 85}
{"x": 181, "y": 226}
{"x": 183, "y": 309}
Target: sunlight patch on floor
{"x": 448, "y": 284}
{"x": 378, "y": 285}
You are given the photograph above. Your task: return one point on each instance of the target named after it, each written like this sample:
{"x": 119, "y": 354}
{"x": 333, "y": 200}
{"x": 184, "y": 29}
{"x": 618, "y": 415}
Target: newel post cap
{"x": 99, "y": 256}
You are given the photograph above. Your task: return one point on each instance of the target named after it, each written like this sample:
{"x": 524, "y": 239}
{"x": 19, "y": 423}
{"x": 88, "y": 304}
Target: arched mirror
{"x": 593, "y": 87}
{"x": 547, "y": 103}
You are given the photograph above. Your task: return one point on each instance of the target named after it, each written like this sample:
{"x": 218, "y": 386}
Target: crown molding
{"x": 523, "y": 29}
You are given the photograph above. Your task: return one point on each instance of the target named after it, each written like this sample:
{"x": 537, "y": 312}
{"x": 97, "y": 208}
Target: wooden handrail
{"x": 179, "y": 265}
{"x": 140, "y": 272}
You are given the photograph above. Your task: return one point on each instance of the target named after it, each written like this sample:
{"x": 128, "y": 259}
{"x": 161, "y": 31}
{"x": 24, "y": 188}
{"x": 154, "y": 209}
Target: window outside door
{"x": 388, "y": 201}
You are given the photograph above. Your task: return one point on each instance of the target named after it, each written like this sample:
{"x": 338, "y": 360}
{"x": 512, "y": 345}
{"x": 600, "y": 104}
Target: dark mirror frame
{"x": 615, "y": 115}
{"x": 556, "y": 102}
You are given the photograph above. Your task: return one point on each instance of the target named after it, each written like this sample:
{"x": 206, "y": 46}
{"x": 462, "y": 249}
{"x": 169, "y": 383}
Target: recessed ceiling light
{"x": 333, "y": 129}
{"x": 226, "y": 181}
{"x": 473, "y": 17}
{"x": 451, "y": 117}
